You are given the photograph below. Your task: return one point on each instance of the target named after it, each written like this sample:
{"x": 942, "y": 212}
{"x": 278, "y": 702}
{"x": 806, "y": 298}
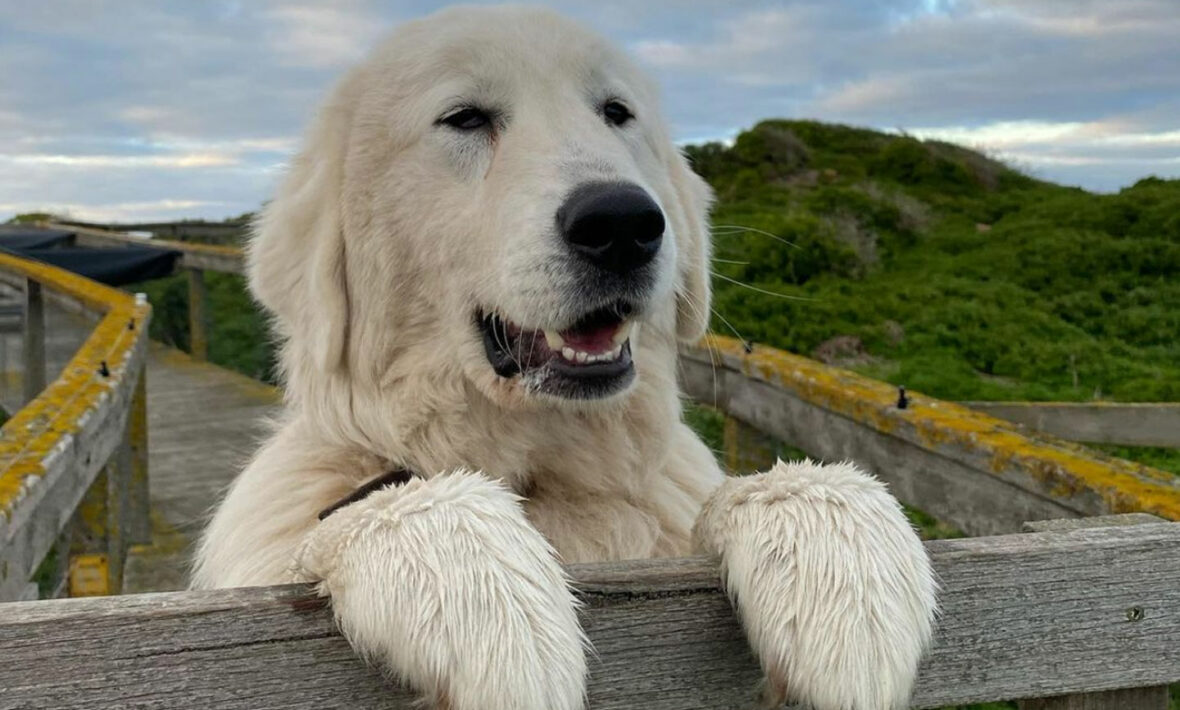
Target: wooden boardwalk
{"x": 203, "y": 423}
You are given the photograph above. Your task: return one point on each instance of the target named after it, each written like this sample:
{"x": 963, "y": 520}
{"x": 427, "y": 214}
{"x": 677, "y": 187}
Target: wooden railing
{"x": 1088, "y": 615}
{"x": 1129, "y": 424}
{"x": 981, "y": 474}
{"x": 73, "y": 473}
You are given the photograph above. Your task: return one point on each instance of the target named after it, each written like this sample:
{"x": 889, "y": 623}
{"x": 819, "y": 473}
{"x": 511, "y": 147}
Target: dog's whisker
{"x": 729, "y": 325}
{"x": 756, "y": 289}
{"x": 730, "y": 261}
{"x": 724, "y": 230}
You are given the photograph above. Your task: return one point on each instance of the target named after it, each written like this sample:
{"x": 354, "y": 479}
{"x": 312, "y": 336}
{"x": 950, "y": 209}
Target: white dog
{"x": 479, "y": 267}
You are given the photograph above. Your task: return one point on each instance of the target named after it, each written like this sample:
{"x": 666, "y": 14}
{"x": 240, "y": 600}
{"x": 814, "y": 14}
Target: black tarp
{"x": 30, "y": 238}
{"x": 115, "y": 266}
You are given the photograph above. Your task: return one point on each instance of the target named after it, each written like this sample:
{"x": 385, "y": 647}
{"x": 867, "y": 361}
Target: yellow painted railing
{"x": 983, "y": 474}
{"x": 73, "y": 475}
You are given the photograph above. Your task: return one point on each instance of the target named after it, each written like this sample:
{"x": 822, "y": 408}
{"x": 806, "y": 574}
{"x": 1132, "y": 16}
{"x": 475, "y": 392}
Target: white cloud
{"x": 748, "y": 46}
{"x": 187, "y": 160}
{"x": 1003, "y": 134}
{"x": 1044, "y": 147}
{"x": 322, "y": 35}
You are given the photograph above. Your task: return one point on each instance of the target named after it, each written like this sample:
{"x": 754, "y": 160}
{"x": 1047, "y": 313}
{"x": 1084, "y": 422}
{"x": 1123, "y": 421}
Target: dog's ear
{"x": 696, "y": 249}
{"x": 296, "y": 263}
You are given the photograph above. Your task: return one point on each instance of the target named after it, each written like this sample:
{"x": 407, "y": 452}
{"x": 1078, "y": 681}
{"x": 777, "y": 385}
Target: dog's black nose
{"x": 617, "y": 226}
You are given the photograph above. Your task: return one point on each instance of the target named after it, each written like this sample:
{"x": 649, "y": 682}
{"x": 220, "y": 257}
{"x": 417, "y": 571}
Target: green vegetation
{"x": 929, "y": 265}
{"x": 238, "y": 335}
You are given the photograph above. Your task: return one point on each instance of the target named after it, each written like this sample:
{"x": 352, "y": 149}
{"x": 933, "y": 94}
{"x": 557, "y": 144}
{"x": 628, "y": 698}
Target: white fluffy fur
{"x": 446, "y": 581}
{"x": 834, "y": 589}
{"x": 387, "y": 234}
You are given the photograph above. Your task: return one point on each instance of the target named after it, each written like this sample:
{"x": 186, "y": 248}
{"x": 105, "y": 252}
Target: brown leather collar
{"x": 396, "y": 477}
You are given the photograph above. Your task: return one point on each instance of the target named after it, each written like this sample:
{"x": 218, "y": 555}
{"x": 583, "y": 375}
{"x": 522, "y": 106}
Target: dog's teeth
{"x": 616, "y": 353}
{"x": 582, "y": 357}
{"x": 623, "y": 332}
{"x": 568, "y": 353}
{"x": 556, "y": 342}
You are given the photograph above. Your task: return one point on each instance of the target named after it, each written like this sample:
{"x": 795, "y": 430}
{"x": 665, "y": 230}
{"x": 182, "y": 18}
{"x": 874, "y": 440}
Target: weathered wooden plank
{"x": 69, "y": 470}
{"x": 139, "y": 502}
{"x": 1132, "y": 699}
{"x": 52, "y": 449}
{"x": 980, "y": 474}
{"x": 1029, "y": 615}
{"x": 1108, "y": 521}
{"x": 947, "y": 489}
{"x": 1154, "y": 698}
{"x": 1130, "y": 424}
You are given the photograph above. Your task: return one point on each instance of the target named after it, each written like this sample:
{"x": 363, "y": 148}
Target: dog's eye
{"x": 616, "y": 113}
{"x": 467, "y": 119}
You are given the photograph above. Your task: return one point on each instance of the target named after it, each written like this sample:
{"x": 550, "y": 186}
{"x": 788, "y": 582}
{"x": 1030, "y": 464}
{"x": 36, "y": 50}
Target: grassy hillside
{"x": 937, "y": 268}
{"x": 929, "y": 265}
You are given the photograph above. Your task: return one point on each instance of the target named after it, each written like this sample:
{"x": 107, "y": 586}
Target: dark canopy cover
{"x": 114, "y": 266}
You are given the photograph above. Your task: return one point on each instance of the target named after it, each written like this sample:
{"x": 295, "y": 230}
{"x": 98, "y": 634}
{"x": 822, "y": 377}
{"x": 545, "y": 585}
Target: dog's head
{"x": 492, "y": 193}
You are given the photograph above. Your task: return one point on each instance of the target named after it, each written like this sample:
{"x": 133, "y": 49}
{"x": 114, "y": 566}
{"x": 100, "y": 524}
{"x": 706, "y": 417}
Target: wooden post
{"x": 34, "y": 341}
{"x": 732, "y": 438}
{"x": 1151, "y": 698}
{"x": 198, "y": 314}
{"x": 98, "y": 546}
{"x": 139, "y": 524}
{"x": 747, "y": 450}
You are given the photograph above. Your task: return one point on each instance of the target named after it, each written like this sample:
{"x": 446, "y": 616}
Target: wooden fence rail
{"x": 1026, "y": 615}
{"x": 979, "y": 473}
{"x": 72, "y": 478}
{"x": 1129, "y": 424}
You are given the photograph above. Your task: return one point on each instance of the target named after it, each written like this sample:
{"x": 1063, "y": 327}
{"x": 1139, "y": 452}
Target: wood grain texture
{"x": 978, "y": 473}
{"x": 1103, "y": 521}
{"x": 69, "y": 470}
{"x": 1133, "y": 699}
{"x": 52, "y": 448}
{"x": 1130, "y": 424}
{"x": 1153, "y": 698}
{"x": 955, "y": 492}
{"x": 1030, "y": 615}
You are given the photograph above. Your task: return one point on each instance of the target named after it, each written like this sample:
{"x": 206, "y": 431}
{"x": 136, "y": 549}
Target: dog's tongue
{"x": 595, "y": 339}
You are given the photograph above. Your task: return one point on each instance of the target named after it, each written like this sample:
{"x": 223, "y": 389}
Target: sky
{"x": 125, "y": 110}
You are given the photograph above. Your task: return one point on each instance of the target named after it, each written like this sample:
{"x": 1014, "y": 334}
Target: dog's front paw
{"x": 445, "y": 583}
{"x": 832, "y": 584}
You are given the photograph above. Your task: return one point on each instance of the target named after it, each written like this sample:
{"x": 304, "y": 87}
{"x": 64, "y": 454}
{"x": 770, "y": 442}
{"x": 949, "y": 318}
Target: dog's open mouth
{"x": 588, "y": 360}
